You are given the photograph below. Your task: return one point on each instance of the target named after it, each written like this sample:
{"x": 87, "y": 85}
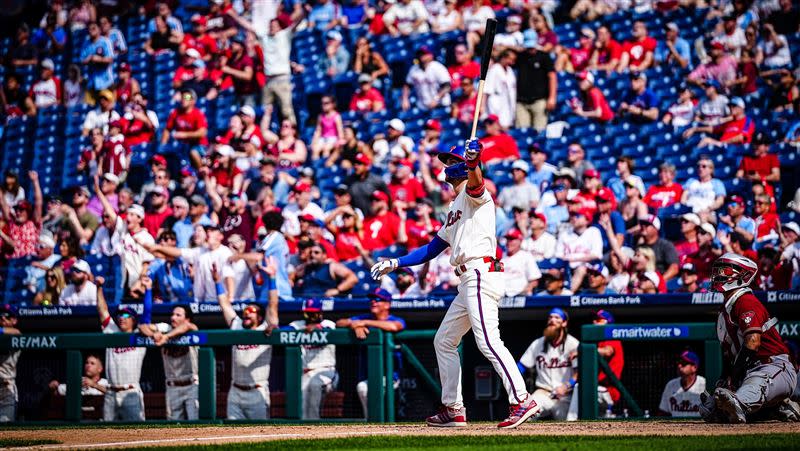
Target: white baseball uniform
{"x": 682, "y": 402}
{"x": 124, "y": 400}
{"x": 319, "y": 371}
{"x": 554, "y": 366}
{"x": 469, "y": 230}
{"x": 8, "y": 386}
{"x": 180, "y": 375}
{"x": 248, "y": 397}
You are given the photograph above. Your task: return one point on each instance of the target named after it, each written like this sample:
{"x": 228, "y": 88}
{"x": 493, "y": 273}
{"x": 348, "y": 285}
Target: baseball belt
{"x": 183, "y": 383}
{"x": 119, "y": 388}
{"x": 246, "y": 387}
{"x": 495, "y": 265}
{"x": 307, "y": 370}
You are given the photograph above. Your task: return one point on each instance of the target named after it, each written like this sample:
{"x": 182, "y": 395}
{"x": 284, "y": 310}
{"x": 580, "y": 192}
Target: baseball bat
{"x": 486, "y": 56}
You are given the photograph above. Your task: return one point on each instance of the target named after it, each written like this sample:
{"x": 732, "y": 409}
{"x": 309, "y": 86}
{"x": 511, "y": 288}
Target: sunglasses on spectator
{"x": 250, "y": 309}
{"x": 124, "y": 315}
{"x": 187, "y": 97}
{"x": 703, "y": 165}
{"x": 761, "y": 202}
{"x": 51, "y": 277}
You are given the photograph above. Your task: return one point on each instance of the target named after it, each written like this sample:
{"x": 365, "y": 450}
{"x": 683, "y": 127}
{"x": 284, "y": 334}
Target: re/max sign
{"x": 33, "y": 342}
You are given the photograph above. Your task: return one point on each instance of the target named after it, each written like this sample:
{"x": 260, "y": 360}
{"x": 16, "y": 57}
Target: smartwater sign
{"x": 646, "y": 332}
{"x": 192, "y": 339}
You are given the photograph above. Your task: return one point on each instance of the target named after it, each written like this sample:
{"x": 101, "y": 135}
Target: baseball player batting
{"x": 758, "y": 373}
{"x": 469, "y": 232}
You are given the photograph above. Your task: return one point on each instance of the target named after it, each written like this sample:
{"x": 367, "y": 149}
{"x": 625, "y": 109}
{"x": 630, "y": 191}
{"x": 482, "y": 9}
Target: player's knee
{"x": 443, "y": 342}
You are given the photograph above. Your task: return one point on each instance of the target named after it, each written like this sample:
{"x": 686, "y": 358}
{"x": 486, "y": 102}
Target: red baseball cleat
{"x": 448, "y": 418}
{"x": 520, "y": 413}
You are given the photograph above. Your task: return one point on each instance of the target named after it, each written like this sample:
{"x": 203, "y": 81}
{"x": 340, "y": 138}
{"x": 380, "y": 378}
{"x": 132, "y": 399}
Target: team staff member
{"x": 553, "y": 357}
{"x": 681, "y": 397}
{"x": 8, "y": 366}
{"x": 248, "y": 397}
{"x": 92, "y": 384}
{"x": 319, "y": 361}
{"x": 180, "y": 362}
{"x": 124, "y": 400}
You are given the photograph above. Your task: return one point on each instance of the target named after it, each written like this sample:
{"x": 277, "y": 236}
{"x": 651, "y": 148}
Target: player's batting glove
{"x": 382, "y": 268}
{"x": 472, "y": 152}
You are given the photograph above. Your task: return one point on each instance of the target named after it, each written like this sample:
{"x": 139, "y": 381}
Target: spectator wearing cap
{"x": 537, "y": 96}
{"x": 394, "y": 144}
{"x": 379, "y": 317}
{"x": 689, "y": 279}
{"x": 323, "y": 15}
{"x": 404, "y": 188}
{"x": 108, "y": 184}
{"x": 637, "y": 54}
{"x": 593, "y": 103}
{"x": 300, "y": 203}
{"x": 690, "y": 226}
{"x": 586, "y": 197}
{"x": 648, "y": 282}
{"x": 682, "y": 112}
{"x": 666, "y": 258}
{"x": 191, "y": 61}
{"x": 139, "y": 123}
{"x": 336, "y": 59}
{"x": 767, "y": 223}
{"x": 552, "y": 282}
{"x": 382, "y": 228}
{"x": 23, "y": 223}
{"x": 80, "y": 290}
{"x": 681, "y": 396}
{"x": 632, "y": 207}
{"x": 774, "y": 274}
{"x": 666, "y": 192}
{"x": 760, "y": 165}
{"x": 597, "y": 277}
{"x": 76, "y": 217}
{"x": 608, "y": 220}
{"x": 463, "y": 108}
{"x": 706, "y": 253}
{"x": 171, "y": 276}
{"x": 521, "y": 272}
{"x": 464, "y": 67}
{"x": 198, "y": 80}
{"x": 540, "y": 244}
{"x": 46, "y": 91}
{"x": 512, "y": 38}
{"x": 498, "y": 145}
{"x": 738, "y": 130}
{"x": 188, "y": 126}
{"x": 313, "y": 229}
{"x": 246, "y": 139}
{"x": 407, "y": 283}
{"x": 580, "y": 246}
{"x": 521, "y": 193}
{"x": 45, "y": 259}
{"x": 556, "y": 213}
{"x": 367, "y": 99}
{"x": 704, "y": 194}
{"x": 721, "y": 67}
{"x": 714, "y": 108}
{"x": 673, "y": 51}
{"x": 430, "y": 81}
{"x": 158, "y": 210}
{"x": 363, "y": 183}
{"x": 541, "y": 172}
{"x": 735, "y": 220}
{"x": 319, "y": 275}
{"x": 114, "y": 156}
{"x": 348, "y": 232}
{"x": 98, "y": 56}
{"x": 101, "y": 116}
{"x": 431, "y": 142}
{"x": 640, "y": 103}
{"x": 199, "y": 40}
{"x": 239, "y": 68}
{"x": 577, "y": 59}
{"x": 125, "y": 86}
{"x": 406, "y": 17}
{"x": 500, "y": 90}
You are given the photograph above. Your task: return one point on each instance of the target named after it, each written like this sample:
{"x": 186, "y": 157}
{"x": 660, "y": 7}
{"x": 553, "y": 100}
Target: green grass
{"x": 771, "y": 442}
{"x": 9, "y": 442}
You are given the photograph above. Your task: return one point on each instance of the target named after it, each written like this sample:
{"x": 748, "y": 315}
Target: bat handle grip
{"x": 477, "y": 114}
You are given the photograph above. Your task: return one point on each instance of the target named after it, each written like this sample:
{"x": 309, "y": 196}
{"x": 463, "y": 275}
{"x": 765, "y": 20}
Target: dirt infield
{"x": 87, "y": 438}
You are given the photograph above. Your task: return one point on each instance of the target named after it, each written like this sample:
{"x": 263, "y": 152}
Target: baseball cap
{"x": 638, "y": 75}
{"x": 397, "y": 124}
{"x": 241, "y": 195}
{"x": 691, "y": 217}
{"x": 197, "y": 199}
{"x": 197, "y": 18}
{"x": 792, "y": 226}
{"x": 47, "y": 241}
{"x": 380, "y": 295}
{"x": 334, "y": 35}
{"x": 738, "y": 101}
{"x": 8, "y": 310}
{"x": 247, "y": 110}
{"x": 208, "y": 227}
{"x": 521, "y": 165}
{"x": 47, "y": 63}
{"x": 24, "y": 205}
{"x": 713, "y": 84}
{"x": 635, "y": 182}
{"x": 689, "y": 267}
{"x": 160, "y": 190}
{"x": 193, "y": 53}
{"x": 81, "y": 266}
{"x": 116, "y": 123}
{"x": 565, "y": 173}
{"x": 540, "y": 216}
{"x": 433, "y": 124}
{"x": 126, "y": 311}
{"x": 652, "y": 276}
{"x": 651, "y": 220}
{"x": 671, "y": 26}
{"x": 689, "y": 357}
{"x": 106, "y": 94}
{"x": 180, "y": 201}
{"x": 514, "y": 19}
{"x": 124, "y": 67}
{"x": 735, "y": 199}
{"x": 309, "y": 218}
{"x": 111, "y": 178}
{"x": 224, "y": 150}
{"x": 363, "y": 158}
{"x": 591, "y": 173}
{"x": 708, "y": 228}
{"x": 137, "y": 210}
{"x": 405, "y": 271}
{"x": 424, "y": 50}
{"x": 588, "y": 33}
{"x": 604, "y": 195}
{"x": 585, "y": 75}
{"x": 364, "y": 78}
{"x": 604, "y": 314}
{"x": 312, "y": 305}
{"x": 717, "y": 45}
{"x": 379, "y": 195}
{"x": 159, "y": 160}
{"x": 598, "y": 268}
{"x": 341, "y": 189}
{"x": 491, "y": 119}
{"x": 513, "y": 234}
{"x": 560, "y": 312}
{"x": 302, "y": 187}
{"x": 536, "y": 148}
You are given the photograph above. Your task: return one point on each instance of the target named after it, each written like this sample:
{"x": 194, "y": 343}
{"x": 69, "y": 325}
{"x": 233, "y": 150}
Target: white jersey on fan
{"x": 250, "y": 362}
{"x": 132, "y": 253}
{"x": 123, "y": 365}
{"x": 553, "y": 364}
{"x": 180, "y": 362}
{"x": 680, "y": 402}
{"x": 470, "y": 228}
{"x": 203, "y": 259}
{"x": 317, "y": 356}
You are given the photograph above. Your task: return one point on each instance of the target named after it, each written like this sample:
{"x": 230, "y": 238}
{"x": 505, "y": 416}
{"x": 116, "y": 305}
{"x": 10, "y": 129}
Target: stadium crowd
{"x": 207, "y": 146}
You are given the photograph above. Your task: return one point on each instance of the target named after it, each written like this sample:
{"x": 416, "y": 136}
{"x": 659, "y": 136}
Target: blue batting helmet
{"x": 456, "y": 171}
{"x": 455, "y": 152}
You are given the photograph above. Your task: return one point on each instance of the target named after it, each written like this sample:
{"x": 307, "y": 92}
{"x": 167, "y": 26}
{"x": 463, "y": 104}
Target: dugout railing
{"x": 380, "y": 349}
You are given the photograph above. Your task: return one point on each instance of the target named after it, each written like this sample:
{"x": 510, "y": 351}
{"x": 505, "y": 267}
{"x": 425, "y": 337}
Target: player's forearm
{"x": 425, "y": 253}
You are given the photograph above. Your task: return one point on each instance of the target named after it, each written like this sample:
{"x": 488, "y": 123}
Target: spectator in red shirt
{"x": 767, "y": 223}
{"x": 186, "y": 71}
{"x": 114, "y": 156}
{"x": 637, "y": 54}
{"x": 367, "y": 99}
{"x": 666, "y": 192}
{"x": 607, "y": 51}
{"x": 159, "y": 210}
{"x": 188, "y": 125}
{"x": 199, "y": 40}
{"x": 382, "y": 229}
{"x": 690, "y": 224}
{"x": 311, "y": 228}
{"x": 593, "y": 103}
{"x": 586, "y": 197}
{"x": 349, "y": 235}
{"x": 224, "y": 172}
{"x": 139, "y": 123}
{"x": 20, "y": 235}
{"x": 578, "y": 58}
{"x": 738, "y": 130}
{"x": 761, "y": 165}
{"x": 497, "y": 145}
{"x": 704, "y": 256}
{"x": 239, "y": 68}
{"x": 463, "y": 107}
{"x": 423, "y": 227}
{"x": 464, "y": 66}
{"x": 404, "y": 187}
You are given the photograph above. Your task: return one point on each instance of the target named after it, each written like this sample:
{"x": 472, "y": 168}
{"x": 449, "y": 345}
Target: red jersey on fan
{"x": 587, "y": 201}
{"x": 346, "y": 245}
{"x": 501, "y": 146}
{"x": 364, "y": 102}
{"x": 762, "y": 165}
{"x": 407, "y": 192}
{"x": 380, "y": 232}
{"x": 418, "y": 234}
{"x": 457, "y": 73}
{"x": 113, "y": 155}
{"x": 744, "y": 316}
{"x": 737, "y": 127}
{"x": 204, "y": 44}
{"x": 188, "y": 121}
{"x": 616, "y": 363}
{"x": 660, "y": 196}
{"x": 638, "y": 50}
